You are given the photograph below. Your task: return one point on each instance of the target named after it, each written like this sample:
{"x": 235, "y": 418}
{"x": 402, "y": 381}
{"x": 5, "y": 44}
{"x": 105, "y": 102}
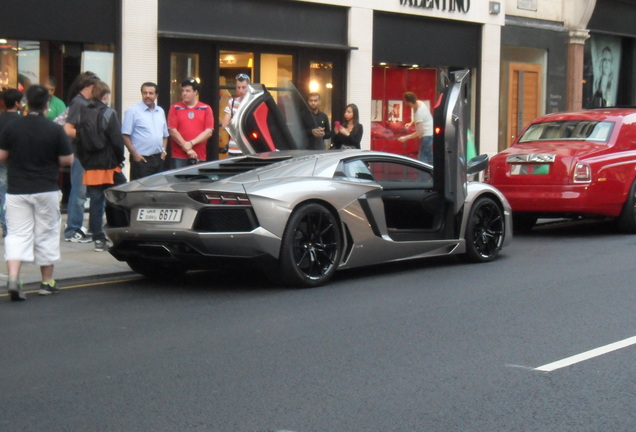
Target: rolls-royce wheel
{"x": 311, "y": 246}
{"x": 626, "y": 222}
{"x": 485, "y": 231}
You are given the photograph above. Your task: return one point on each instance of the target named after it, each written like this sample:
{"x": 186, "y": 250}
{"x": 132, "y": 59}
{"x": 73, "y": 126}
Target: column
{"x": 139, "y": 47}
{"x": 576, "y": 45}
{"x": 359, "y": 70}
{"x": 576, "y": 15}
{"x": 488, "y": 101}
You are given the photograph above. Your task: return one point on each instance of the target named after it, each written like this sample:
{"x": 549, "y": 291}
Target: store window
{"x": 602, "y": 72}
{"x": 23, "y": 63}
{"x": 276, "y": 72}
{"x": 19, "y": 63}
{"x": 182, "y": 66}
{"x": 272, "y": 70}
{"x": 321, "y": 82}
{"x": 231, "y": 64}
{"x": 390, "y": 117}
{"x": 276, "y": 69}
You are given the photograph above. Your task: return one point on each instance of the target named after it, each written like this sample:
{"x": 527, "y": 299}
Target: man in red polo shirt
{"x": 190, "y": 124}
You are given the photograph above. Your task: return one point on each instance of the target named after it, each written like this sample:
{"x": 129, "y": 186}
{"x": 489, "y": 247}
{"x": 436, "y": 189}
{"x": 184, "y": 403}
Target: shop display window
{"x": 276, "y": 72}
{"x": 321, "y": 82}
{"x": 23, "y": 63}
{"x": 231, "y": 64}
{"x": 390, "y": 116}
{"x": 19, "y": 63}
{"x": 182, "y": 66}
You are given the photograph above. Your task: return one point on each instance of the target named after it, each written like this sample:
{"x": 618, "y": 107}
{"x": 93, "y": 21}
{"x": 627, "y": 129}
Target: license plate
{"x": 530, "y": 169}
{"x": 159, "y": 215}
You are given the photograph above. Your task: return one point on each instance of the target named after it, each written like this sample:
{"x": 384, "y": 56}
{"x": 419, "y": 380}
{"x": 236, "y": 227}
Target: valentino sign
{"x": 443, "y": 5}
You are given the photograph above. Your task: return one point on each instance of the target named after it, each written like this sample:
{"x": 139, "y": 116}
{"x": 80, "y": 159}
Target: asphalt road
{"x": 435, "y": 345}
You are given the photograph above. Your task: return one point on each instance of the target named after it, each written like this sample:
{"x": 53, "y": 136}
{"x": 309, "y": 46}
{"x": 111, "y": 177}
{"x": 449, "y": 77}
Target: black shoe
{"x": 15, "y": 291}
{"x": 48, "y": 289}
{"x": 78, "y": 237}
{"x": 100, "y": 245}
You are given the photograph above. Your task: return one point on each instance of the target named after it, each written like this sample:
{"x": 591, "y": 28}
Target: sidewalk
{"x": 79, "y": 260}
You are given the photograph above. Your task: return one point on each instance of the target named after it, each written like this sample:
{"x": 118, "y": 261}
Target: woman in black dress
{"x": 348, "y": 134}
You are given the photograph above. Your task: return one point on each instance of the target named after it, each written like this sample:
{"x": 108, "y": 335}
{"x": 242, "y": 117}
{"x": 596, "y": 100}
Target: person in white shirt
{"x": 423, "y": 127}
{"x": 242, "y": 81}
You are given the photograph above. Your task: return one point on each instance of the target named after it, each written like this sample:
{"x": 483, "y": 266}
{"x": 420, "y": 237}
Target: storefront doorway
{"x": 216, "y": 65}
{"x": 524, "y": 97}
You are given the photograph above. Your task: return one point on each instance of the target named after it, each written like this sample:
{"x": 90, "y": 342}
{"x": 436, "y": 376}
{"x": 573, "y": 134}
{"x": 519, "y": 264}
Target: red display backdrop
{"x": 389, "y": 114}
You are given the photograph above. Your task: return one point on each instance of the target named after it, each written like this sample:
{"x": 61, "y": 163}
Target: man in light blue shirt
{"x": 145, "y": 134}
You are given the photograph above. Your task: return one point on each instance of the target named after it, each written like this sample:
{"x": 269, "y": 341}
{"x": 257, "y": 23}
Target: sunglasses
{"x": 242, "y": 76}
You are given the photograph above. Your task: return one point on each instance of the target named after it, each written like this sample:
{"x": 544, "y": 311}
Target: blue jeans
{"x": 96, "y": 210}
{"x": 76, "y": 199}
{"x": 426, "y": 150}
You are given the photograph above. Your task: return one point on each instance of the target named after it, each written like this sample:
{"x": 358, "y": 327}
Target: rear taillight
{"x": 221, "y": 198}
{"x": 582, "y": 173}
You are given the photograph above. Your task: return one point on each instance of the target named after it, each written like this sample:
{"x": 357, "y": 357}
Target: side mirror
{"x": 477, "y": 164}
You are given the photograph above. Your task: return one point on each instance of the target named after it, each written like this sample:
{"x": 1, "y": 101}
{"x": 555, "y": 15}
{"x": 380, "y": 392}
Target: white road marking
{"x": 587, "y": 355}
{"x": 514, "y": 366}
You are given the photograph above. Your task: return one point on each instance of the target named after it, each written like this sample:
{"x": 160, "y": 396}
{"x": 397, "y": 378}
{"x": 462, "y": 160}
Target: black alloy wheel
{"x": 311, "y": 246}
{"x": 485, "y": 231}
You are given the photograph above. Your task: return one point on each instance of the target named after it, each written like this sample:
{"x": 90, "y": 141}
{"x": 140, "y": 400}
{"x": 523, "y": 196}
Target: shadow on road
{"x": 572, "y": 228}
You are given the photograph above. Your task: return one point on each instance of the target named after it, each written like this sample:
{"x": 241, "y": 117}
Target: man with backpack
{"x": 80, "y": 91}
{"x": 101, "y": 152}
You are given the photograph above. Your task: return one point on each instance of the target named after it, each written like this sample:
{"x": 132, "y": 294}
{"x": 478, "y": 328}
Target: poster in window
{"x": 376, "y": 110}
{"x": 395, "y": 110}
{"x": 606, "y": 54}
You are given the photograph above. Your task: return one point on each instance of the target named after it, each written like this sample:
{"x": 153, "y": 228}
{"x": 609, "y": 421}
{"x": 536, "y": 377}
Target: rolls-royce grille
{"x": 225, "y": 220}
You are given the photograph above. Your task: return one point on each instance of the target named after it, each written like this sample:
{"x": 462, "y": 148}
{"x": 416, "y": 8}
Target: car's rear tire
{"x": 626, "y": 221}
{"x": 485, "y": 231}
{"x": 522, "y": 223}
{"x": 153, "y": 270}
{"x": 311, "y": 246}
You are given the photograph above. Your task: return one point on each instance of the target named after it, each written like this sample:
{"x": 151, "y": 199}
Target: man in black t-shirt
{"x": 13, "y": 104}
{"x": 322, "y": 131}
{"x": 34, "y": 148}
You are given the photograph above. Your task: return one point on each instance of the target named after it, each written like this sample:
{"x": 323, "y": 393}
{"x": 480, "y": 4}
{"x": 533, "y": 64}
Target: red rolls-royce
{"x": 575, "y": 164}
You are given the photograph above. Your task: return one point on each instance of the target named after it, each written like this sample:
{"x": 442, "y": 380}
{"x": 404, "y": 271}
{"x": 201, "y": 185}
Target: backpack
{"x": 90, "y": 128}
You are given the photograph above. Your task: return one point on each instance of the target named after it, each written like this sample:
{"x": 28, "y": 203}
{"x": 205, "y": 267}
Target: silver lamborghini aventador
{"x": 302, "y": 213}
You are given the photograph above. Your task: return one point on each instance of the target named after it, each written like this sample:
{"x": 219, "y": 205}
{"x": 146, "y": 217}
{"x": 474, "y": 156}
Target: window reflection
{"x": 182, "y": 66}
{"x": 19, "y": 64}
{"x": 321, "y": 82}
